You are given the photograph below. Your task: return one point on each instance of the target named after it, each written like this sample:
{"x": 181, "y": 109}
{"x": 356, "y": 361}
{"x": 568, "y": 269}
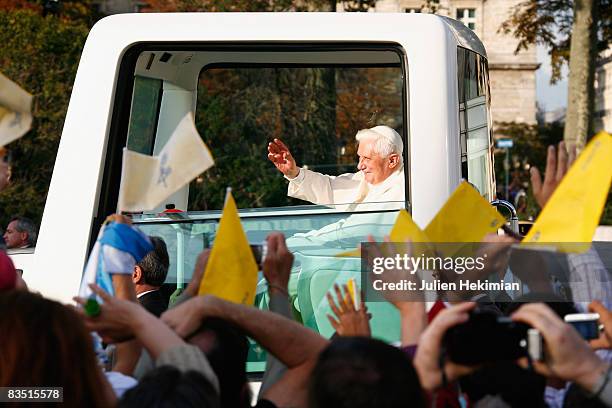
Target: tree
{"x": 530, "y": 144}
{"x": 581, "y": 90}
{"x": 574, "y": 31}
{"x": 41, "y": 54}
{"x": 255, "y": 5}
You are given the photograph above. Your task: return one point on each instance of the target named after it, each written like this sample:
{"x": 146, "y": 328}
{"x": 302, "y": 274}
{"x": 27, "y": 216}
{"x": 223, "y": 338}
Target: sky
{"x": 550, "y": 97}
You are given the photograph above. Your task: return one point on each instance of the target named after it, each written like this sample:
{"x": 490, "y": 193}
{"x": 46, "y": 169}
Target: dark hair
{"x": 28, "y": 226}
{"x": 558, "y": 304}
{"x": 226, "y": 348}
{"x": 155, "y": 264}
{"x": 166, "y": 386}
{"x": 362, "y": 372}
{"x": 46, "y": 344}
{"x": 516, "y": 386}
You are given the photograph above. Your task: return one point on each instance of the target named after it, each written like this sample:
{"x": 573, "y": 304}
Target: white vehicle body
{"x": 428, "y": 47}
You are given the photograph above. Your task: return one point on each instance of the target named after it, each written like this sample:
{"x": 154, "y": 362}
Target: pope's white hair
{"x": 386, "y": 140}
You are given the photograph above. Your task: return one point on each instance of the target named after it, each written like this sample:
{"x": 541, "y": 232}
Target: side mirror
{"x": 509, "y": 212}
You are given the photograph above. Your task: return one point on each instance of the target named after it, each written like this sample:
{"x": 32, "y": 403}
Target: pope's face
{"x": 375, "y": 168}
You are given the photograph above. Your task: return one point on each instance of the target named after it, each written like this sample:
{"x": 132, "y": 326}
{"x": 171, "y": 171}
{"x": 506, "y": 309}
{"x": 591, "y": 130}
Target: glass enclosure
{"x": 475, "y": 129}
{"x": 315, "y": 101}
{"x": 315, "y": 235}
{"x": 315, "y": 111}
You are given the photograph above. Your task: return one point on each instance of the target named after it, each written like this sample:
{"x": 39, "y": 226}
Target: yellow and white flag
{"x": 569, "y": 219}
{"x": 231, "y": 270}
{"x": 146, "y": 181}
{"x": 466, "y": 217}
{"x": 15, "y": 111}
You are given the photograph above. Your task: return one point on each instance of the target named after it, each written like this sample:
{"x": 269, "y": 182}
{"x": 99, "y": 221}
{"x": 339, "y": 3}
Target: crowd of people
{"x": 192, "y": 351}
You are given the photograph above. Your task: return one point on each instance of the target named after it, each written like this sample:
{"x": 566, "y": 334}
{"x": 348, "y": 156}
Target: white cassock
{"x": 348, "y": 192}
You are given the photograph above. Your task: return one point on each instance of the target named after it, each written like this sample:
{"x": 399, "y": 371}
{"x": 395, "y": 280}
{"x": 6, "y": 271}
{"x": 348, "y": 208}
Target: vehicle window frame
{"x": 123, "y": 92}
{"x": 462, "y": 116}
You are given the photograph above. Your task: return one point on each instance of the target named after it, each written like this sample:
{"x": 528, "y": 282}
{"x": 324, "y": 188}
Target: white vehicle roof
{"x": 428, "y": 41}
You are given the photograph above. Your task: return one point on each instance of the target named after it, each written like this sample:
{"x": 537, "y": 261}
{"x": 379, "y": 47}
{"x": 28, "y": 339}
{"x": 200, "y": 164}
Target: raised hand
{"x": 279, "y": 154}
{"x": 277, "y": 263}
{"x": 605, "y": 317}
{"x": 558, "y": 162}
{"x": 119, "y": 219}
{"x": 198, "y": 273}
{"x": 117, "y": 317}
{"x": 186, "y": 317}
{"x": 348, "y": 321}
{"x": 568, "y": 356}
{"x": 427, "y": 358}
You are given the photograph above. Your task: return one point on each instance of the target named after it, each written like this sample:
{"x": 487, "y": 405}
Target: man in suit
{"x": 149, "y": 275}
{"x": 21, "y": 232}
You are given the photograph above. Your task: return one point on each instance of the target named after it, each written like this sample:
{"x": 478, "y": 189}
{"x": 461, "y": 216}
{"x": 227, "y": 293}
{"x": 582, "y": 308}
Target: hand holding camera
{"x": 567, "y": 355}
{"x": 604, "y": 338}
{"x": 277, "y": 263}
{"x": 431, "y": 366}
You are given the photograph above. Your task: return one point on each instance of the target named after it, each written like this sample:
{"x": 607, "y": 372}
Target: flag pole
{"x": 228, "y": 192}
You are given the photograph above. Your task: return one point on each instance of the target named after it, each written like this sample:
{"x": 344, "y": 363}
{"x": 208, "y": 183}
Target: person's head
{"x": 20, "y": 233}
{"x": 514, "y": 385}
{"x": 46, "y": 344}
{"x": 226, "y": 348}
{"x": 362, "y": 372}
{"x": 380, "y": 153}
{"x": 152, "y": 270}
{"x": 558, "y": 304}
{"x": 166, "y": 386}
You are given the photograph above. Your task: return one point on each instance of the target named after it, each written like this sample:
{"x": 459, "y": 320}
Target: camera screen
{"x": 588, "y": 329}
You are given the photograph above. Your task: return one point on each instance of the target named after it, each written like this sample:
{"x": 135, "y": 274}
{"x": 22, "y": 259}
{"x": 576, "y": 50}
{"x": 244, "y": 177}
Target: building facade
{"x": 512, "y": 76}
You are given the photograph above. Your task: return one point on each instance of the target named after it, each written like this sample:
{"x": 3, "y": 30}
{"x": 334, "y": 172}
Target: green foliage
{"x": 315, "y": 111}
{"x": 236, "y": 5}
{"x": 549, "y": 23}
{"x": 240, "y": 110}
{"x": 530, "y": 144}
{"x": 40, "y": 54}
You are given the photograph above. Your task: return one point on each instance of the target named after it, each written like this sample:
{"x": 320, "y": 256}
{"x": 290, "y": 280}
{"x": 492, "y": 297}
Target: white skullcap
{"x": 383, "y": 132}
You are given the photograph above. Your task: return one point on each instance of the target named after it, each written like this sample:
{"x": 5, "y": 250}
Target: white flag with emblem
{"x": 15, "y": 111}
{"x": 146, "y": 181}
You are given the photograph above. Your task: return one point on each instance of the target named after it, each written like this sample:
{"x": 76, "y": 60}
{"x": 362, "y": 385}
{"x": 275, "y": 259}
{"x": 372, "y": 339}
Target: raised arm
{"x": 281, "y": 157}
{"x": 292, "y": 343}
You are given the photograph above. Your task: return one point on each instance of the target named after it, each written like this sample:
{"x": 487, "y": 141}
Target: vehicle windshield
{"x": 315, "y": 235}
{"x": 315, "y": 102}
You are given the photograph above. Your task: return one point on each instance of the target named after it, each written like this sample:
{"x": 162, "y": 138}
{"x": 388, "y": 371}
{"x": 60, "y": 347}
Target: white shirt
{"x": 346, "y": 191}
{"x": 138, "y": 296}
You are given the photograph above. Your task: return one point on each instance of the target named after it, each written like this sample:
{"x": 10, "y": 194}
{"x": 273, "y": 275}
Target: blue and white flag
{"x": 117, "y": 250}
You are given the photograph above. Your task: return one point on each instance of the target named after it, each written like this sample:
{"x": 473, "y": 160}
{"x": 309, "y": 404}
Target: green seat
{"x": 318, "y": 275}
